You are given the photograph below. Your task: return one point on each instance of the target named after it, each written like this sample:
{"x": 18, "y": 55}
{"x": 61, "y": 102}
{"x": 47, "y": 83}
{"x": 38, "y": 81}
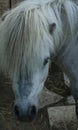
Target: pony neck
{"x": 66, "y": 57}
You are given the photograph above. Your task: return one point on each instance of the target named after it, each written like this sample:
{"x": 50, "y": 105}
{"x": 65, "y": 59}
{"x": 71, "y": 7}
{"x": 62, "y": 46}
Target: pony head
{"x": 30, "y": 30}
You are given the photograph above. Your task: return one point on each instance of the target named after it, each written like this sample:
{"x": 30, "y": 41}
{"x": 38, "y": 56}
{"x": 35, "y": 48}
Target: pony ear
{"x": 52, "y": 27}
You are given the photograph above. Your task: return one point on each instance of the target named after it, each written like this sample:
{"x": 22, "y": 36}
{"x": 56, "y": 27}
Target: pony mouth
{"x": 27, "y": 119}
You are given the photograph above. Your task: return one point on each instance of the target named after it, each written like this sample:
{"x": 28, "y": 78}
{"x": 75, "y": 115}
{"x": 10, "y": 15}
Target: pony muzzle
{"x": 25, "y": 113}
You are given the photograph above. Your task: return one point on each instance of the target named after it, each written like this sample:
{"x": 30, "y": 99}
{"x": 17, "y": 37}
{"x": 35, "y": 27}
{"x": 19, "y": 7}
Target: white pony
{"x": 30, "y": 35}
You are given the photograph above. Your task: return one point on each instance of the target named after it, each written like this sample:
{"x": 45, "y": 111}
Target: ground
{"x": 8, "y": 120}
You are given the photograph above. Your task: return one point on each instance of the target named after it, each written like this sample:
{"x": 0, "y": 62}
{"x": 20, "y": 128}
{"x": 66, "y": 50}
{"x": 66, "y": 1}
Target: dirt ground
{"x": 8, "y": 120}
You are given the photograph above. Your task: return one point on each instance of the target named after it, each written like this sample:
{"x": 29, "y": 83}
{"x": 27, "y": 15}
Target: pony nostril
{"x": 17, "y": 111}
{"x": 33, "y": 111}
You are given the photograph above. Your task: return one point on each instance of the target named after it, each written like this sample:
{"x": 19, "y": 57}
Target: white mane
{"x": 27, "y": 24}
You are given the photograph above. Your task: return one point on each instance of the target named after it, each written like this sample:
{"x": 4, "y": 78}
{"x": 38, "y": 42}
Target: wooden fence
{"x": 7, "y": 4}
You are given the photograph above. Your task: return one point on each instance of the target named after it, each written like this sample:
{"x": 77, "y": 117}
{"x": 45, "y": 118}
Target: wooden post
{"x": 4, "y": 6}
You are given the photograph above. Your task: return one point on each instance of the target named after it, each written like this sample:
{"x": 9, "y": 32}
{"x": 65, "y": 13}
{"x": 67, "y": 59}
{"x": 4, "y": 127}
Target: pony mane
{"x": 25, "y": 25}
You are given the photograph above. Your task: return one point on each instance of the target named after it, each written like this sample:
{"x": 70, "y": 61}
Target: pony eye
{"x": 46, "y": 61}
